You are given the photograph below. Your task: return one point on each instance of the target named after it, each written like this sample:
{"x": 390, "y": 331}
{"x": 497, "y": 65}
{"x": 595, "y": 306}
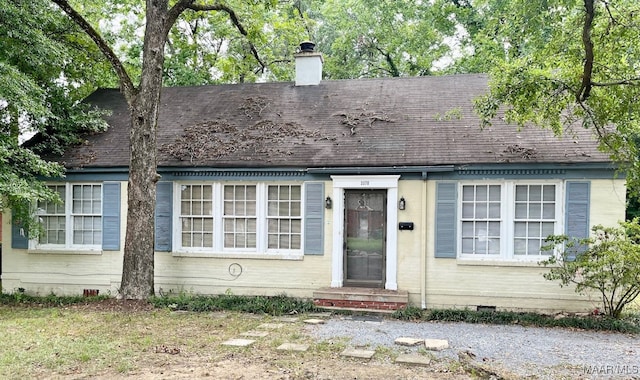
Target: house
{"x": 356, "y": 193}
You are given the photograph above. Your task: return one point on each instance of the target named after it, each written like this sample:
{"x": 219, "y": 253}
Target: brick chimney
{"x": 308, "y": 65}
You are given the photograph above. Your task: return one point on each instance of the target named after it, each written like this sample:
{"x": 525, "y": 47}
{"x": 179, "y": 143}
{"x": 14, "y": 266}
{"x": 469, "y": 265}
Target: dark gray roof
{"x": 365, "y": 122}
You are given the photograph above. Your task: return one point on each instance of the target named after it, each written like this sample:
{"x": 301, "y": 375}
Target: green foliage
{"x": 21, "y": 298}
{"x": 532, "y": 319}
{"x": 409, "y": 313}
{"x": 276, "y": 305}
{"x": 607, "y": 263}
{"x": 364, "y": 38}
{"x": 536, "y": 55}
{"x": 40, "y": 85}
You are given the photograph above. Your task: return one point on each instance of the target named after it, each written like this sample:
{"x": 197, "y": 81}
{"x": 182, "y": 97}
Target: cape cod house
{"x": 357, "y": 193}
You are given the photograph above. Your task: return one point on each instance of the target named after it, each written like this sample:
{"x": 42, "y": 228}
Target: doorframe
{"x": 354, "y": 182}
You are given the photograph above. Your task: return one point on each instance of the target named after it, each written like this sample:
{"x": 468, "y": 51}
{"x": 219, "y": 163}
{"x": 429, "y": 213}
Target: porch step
{"x": 351, "y": 298}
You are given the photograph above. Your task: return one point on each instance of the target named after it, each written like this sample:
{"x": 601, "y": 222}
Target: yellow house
{"x": 372, "y": 193}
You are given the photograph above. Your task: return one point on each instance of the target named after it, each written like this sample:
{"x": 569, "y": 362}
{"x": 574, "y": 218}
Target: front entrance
{"x": 365, "y": 229}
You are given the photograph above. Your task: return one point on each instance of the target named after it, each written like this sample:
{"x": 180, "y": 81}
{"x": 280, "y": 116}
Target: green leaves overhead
{"x": 560, "y": 71}
{"x": 46, "y": 67}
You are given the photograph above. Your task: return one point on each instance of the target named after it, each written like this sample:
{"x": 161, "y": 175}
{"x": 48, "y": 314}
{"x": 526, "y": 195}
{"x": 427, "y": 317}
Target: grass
{"x": 63, "y": 341}
{"x": 62, "y": 337}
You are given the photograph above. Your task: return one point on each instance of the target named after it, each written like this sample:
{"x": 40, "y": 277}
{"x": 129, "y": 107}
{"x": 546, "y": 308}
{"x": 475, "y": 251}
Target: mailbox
{"x": 406, "y": 226}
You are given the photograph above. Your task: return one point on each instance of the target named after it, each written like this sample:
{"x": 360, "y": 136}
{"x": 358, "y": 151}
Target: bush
{"x": 608, "y": 263}
{"x": 627, "y": 325}
{"x": 20, "y": 298}
{"x": 275, "y": 305}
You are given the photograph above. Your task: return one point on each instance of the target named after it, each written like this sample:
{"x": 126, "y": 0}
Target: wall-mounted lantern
{"x": 402, "y": 204}
{"x": 328, "y": 203}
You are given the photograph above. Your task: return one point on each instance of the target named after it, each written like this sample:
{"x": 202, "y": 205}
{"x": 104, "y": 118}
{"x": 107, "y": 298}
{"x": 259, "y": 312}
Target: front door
{"x": 365, "y": 238}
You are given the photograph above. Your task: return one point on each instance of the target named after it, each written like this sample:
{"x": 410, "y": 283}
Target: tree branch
{"x": 393, "y": 69}
{"x": 126, "y": 85}
{"x": 629, "y": 82}
{"x": 298, "y": 7}
{"x": 585, "y": 88}
{"x": 189, "y": 4}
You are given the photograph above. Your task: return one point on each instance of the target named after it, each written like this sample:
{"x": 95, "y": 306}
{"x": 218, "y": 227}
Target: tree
{"x": 568, "y": 64}
{"x": 40, "y": 91}
{"x": 608, "y": 263}
{"x": 365, "y": 38}
{"x": 143, "y": 100}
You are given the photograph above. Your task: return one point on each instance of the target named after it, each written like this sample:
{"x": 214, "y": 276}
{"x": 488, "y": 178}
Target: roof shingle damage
{"x": 367, "y": 122}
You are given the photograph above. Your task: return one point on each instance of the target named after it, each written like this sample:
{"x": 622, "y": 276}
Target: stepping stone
{"x": 320, "y": 315}
{"x": 413, "y": 359}
{"x": 255, "y": 334}
{"x": 238, "y": 342}
{"x": 436, "y": 344}
{"x": 288, "y": 319}
{"x": 293, "y": 347}
{"x": 314, "y": 321}
{"x": 356, "y": 353}
{"x": 408, "y": 341}
{"x": 271, "y": 326}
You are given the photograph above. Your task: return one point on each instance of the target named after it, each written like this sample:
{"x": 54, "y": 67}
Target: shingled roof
{"x": 364, "y": 122}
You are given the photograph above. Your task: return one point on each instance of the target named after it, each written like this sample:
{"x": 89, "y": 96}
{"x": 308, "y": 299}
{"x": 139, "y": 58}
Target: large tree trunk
{"x": 138, "y": 265}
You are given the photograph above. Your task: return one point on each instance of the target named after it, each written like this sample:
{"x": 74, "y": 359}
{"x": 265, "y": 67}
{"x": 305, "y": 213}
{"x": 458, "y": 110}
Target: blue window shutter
{"x": 314, "y": 218}
{"x": 446, "y": 213}
{"x": 111, "y": 216}
{"x": 19, "y": 236}
{"x": 577, "y": 213}
{"x": 164, "y": 216}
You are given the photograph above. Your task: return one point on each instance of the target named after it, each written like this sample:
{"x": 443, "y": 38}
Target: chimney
{"x": 308, "y": 65}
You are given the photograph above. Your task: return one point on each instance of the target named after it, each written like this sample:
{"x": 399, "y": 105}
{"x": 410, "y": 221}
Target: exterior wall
{"x": 411, "y": 249}
{"x": 42, "y": 272}
{"x": 455, "y": 283}
{"x": 431, "y": 282}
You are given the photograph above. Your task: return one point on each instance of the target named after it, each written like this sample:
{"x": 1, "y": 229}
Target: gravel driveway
{"x": 544, "y": 353}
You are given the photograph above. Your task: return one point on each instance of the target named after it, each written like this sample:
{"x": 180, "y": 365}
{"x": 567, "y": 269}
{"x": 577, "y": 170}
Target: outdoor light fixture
{"x": 328, "y": 202}
{"x": 402, "y": 204}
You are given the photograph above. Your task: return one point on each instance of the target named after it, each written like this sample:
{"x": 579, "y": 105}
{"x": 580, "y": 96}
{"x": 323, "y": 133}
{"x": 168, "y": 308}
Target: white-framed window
{"x": 239, "y": 217}
{"x": 284, "y": 217}
{"x": 75, "y": 222}
{"x": 508, "y": 220}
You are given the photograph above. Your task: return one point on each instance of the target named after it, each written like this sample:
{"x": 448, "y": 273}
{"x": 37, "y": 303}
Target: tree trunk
{"x": 138, "y": 264}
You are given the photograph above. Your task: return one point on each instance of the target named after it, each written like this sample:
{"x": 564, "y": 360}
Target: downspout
{"x": 423, "y": 247}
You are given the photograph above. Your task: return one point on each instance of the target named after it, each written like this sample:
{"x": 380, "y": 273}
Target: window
{"x": 74, "y": 222}
{"x": 256, "y": 218}
{"x": 481, "y": 219}
{"x": 534, "y": 220}
{"x": 196, "y": 216}
{"x": 240, "y": 218}
{"x": 509, "y": 220}
{"x": 284, "y": 217}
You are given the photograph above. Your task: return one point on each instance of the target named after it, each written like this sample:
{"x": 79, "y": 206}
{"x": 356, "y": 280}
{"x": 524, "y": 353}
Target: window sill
{"x": 53, "y": 251}
{"x": 499, "y": 263}
{"x": 234, "y": 255}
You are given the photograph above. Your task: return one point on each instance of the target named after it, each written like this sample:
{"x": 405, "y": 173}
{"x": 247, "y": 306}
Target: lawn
{"x": 89, "y": 341}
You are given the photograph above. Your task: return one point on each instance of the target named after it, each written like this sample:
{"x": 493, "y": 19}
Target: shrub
{"x": 275, "y": 305}
{"x": 608, "y": 263}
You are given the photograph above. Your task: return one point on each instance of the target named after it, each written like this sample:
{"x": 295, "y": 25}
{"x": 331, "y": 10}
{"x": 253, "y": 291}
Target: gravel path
{"x": 544, "y": 353}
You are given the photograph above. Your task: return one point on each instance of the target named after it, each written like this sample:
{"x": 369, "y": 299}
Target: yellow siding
{"x": 458, "y": 283}
{"x": 438, "y": 282}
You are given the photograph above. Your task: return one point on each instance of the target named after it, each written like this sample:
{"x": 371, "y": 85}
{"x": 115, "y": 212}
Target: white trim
{"x": 342, "y": 183}
{"x": 218, "y": 250}
{"x": 507, "y": 216}
{"x": 69, "y": 247}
